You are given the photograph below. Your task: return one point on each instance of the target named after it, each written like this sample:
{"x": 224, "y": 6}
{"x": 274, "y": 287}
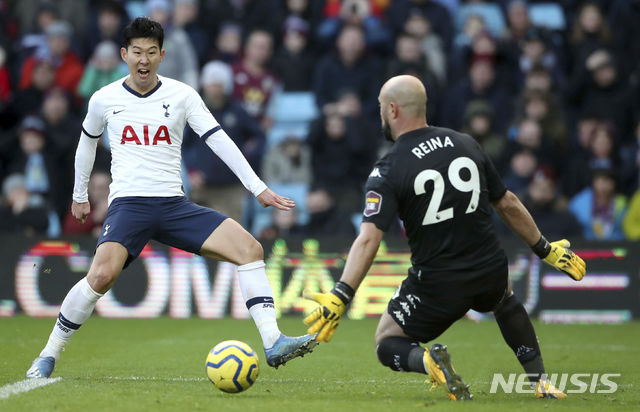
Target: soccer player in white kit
{"x": 145, "y": 115}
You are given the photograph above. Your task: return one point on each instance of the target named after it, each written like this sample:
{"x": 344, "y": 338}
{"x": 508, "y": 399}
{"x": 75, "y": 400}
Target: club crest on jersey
{"x": 166, "y": 109}
{"x": 373, "y": 203}
{"x": 129, "y": 135}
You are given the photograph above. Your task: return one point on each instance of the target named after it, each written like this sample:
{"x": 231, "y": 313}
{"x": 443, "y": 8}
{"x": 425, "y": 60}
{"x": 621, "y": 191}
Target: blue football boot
{"x": 287, "y": 348}
{"x": 41, "y": 367}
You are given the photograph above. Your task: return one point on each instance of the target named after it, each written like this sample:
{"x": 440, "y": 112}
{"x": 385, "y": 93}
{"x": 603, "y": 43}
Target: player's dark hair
{"x": 143, "y": 27}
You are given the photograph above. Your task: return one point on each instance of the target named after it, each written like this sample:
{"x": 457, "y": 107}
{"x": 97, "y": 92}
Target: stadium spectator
{"x": 342, "y": 151}
{"x": 574, "y": 178}
{"x": 30, "y": 14}
{"x": 522, "y": 164}
{"x": 599, "y": 208}
{"x": 104, "y": 67}
{"x": 308, "y": 10}
{"x": 357, "y": 13}
{"x": 68, "y": 66}
{"x": 604, "y": 152}
{"x": 33, "y": 24}
{"x": 623, "y": 19}
{"x": 437, "y": 15}
{"x": 528, "y": 133}
{"x": 185, "y": 14}
{"x": 253, "y": 81}
{"x": 105, "y": 25}
{"x": 410, "y": 59}
{"x": 5, "y": 80}
{"x": 599, "y": 88}
{"x": 22, "y": 211}
{"x": 228, "y": 43}
{"x": 294, "y": 63}
{"x": 483, "y": 46}
{"x": 590, "y": 32}
{"x": 63, "y": 127}
{"x": 98, "y": 191}
{"x": 29, "y": 100}
{"x": 288, "y": 162}
{"x": 538, "y": 79}
{"x": 541, "y": 107}
{"x": 250, "y": 15}
{"x": 478, "y": 122}
{"x": 419, "y": 27}
{"x": 325, "y": 217}
{"x": 283, "y": 224}
{"x": 535, "y": 49}
{"x": 518, "y": 23}
{"x": 8, "y": 27}
{"x": 350, "y": 68}
{"x": 39, "y": 164}
{"x": 480, "y": 84}
{"x": 473, "y": 26}
{"x": 180, "y": 60}
{"x": 212, "y": 183}
{"x": 547, "y": 208}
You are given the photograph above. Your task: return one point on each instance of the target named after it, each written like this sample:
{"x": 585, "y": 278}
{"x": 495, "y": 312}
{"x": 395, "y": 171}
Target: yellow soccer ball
{"x": 232, "y": 366}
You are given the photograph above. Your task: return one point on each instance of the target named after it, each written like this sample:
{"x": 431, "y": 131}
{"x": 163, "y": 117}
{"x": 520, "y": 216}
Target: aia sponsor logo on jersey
{"x": 129, "y": 135}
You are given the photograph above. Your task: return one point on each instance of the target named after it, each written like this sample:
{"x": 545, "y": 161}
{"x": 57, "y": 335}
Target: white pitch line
{"x": 25, "y": 386}
{"x": 152, "y": 378}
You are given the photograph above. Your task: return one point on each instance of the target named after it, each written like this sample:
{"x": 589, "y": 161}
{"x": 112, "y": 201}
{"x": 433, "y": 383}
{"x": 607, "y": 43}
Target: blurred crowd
{"x": 551, "y": 90}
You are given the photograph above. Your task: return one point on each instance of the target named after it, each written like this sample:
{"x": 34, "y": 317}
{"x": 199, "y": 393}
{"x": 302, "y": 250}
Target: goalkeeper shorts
{"x": 425, "y": 305}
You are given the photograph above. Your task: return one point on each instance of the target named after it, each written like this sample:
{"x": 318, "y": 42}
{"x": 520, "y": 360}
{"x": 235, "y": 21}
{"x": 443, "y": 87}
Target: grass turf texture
{"x": 158, "y": 365}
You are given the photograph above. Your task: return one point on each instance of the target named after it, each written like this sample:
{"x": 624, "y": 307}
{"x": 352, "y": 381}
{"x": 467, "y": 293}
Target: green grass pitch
{"x": 158, "y": 365}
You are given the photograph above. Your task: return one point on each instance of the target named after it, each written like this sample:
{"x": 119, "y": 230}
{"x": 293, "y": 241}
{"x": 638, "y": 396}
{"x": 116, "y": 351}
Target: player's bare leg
{"x": 106, "y": 266}
{"x": 79, "y": 303}
{"x": 230, "y": 242}
{"x": 400, "y": 352}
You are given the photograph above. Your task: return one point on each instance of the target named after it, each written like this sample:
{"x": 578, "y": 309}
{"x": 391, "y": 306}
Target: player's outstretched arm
{"x": 556, "y": 254}
{"x": 269, "y": 198}
{"x": 226, "y": 149}
{"x": 324, "y": 319}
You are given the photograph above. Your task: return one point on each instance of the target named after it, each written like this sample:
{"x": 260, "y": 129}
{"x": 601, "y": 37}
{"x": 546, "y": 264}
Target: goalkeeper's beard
{"x": 386, "y": 131}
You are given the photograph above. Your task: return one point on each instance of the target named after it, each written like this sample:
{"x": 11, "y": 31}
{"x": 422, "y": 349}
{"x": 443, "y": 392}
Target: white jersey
{"x": 145, "y": 135}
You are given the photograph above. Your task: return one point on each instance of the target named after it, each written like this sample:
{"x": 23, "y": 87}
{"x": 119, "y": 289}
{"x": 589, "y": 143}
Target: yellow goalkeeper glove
{"x": 558, "y": 255}
{"x": 324, "y": 319}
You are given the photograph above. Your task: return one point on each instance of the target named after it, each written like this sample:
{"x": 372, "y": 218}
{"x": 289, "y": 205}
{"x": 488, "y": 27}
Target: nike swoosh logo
{"x": 116, "y": 112}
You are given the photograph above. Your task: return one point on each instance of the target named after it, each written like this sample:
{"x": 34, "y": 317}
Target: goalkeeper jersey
{"x": 440, "y": 183}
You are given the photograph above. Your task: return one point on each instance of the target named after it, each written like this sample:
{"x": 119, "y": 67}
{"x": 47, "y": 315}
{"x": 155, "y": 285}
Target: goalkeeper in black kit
{"x": 443, "y": 187}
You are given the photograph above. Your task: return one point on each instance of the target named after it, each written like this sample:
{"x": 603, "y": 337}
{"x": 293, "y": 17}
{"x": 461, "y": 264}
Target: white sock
{"x": 258, "y": 296}
{"x": 75, "y": 310}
